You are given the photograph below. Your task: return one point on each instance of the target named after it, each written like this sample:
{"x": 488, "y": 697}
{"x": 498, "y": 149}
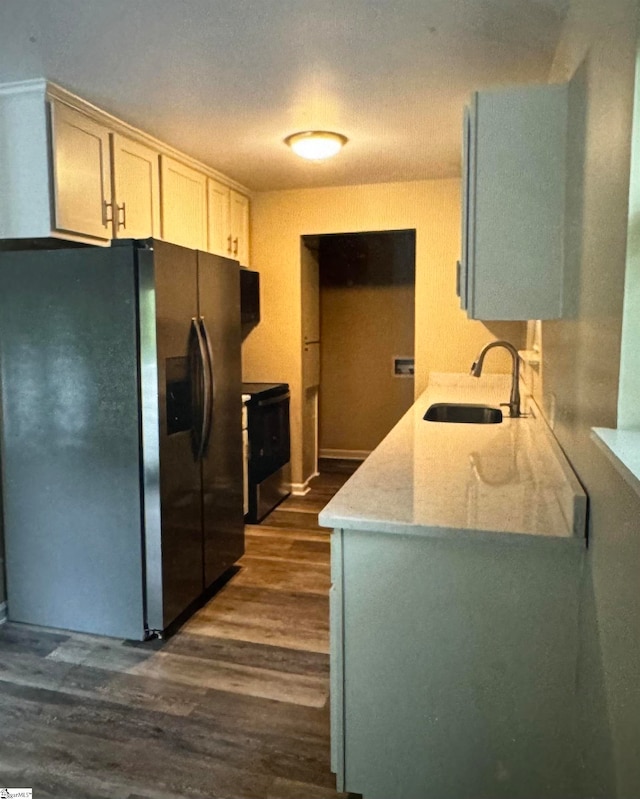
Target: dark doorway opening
{"x": 367, "y": 329}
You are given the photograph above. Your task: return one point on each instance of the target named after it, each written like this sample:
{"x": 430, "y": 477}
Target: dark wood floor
{"x": 234, "y": 706}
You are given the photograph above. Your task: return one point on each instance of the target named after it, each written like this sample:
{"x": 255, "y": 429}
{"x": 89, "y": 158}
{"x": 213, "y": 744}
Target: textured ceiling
{"x": 226, "y": 80}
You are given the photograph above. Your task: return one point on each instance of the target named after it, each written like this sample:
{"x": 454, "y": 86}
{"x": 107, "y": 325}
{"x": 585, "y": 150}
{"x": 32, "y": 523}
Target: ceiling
{"x": 226, "y": 80}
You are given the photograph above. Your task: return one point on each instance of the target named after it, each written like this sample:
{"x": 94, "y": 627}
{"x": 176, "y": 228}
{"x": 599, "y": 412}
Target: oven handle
{"x": 273, "y": 400}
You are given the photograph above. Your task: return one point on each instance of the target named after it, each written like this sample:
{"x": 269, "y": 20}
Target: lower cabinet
{"x": 453, "y": 666}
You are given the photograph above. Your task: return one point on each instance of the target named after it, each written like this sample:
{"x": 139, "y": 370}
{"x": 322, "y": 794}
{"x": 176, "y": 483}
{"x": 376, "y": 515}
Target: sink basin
{"x": 461, "y": 413}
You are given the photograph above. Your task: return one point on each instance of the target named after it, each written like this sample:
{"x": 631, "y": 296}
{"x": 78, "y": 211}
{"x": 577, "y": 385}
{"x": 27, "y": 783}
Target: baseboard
{"x": 300, "y": 489}
{"x": 3, "y": 612}
{"x": 345, "y": 454}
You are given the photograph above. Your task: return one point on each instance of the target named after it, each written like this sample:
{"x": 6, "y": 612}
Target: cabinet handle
{"x": 122, "y": 223}
{"x": 107, "y": 213}
{"x": 235, "y": 246}
{"x": 229, "y": 239}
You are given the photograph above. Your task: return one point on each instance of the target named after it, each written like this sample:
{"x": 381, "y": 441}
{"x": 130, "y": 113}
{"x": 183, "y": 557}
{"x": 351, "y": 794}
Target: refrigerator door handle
{"x": 204, "y": 393}
{"x": 208, "y": 421}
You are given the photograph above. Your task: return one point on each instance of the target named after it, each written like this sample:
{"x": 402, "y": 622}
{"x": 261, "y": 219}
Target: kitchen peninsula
{"x": 456, "y": 559}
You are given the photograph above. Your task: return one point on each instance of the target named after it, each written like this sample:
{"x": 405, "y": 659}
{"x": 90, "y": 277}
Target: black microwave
{"x": 249, "y": 297}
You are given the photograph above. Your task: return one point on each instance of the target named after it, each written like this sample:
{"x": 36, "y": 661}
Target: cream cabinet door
{"x": 218, "y": 218}
{"x": 184, "y": 204}
{"x": 81, "y": 173}
{"x": 136, "y": 189}
{"x": 239, "y": 227}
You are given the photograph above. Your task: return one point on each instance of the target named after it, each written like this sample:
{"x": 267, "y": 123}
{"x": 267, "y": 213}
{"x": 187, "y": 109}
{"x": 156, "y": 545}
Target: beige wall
{"x": 444, "y": 339}
{"x": 581, "y": 356}
{"x": 628, "y": 405}
{"x": 363, "y": 328}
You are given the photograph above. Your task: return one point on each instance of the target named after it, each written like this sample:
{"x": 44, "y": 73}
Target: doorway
{"x": 365, "y": 306}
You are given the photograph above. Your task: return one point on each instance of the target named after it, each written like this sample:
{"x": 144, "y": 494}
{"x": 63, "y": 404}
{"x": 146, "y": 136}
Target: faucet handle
{"x": 520, "y": 414}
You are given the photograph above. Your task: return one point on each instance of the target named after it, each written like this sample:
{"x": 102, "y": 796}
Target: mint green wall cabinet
{"x": 514, "y": 185}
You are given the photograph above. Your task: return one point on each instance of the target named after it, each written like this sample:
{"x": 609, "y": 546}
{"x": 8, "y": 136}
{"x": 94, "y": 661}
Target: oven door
{"x": 269, "y": 442}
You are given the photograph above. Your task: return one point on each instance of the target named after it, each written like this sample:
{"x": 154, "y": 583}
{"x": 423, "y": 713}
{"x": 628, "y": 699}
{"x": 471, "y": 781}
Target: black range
{"x": 269, "y": 447}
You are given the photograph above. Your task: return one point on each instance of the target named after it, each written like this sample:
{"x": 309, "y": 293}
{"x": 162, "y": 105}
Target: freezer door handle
{"x": 208, "y": 420}
{"x": 201, "y": 391}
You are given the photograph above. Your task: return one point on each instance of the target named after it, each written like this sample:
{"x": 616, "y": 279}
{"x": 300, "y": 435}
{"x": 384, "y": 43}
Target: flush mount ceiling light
{"x": 316, "y": 145}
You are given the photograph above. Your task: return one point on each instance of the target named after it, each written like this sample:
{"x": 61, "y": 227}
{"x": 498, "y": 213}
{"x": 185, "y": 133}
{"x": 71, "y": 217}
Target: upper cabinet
{"x": 514, "y": 184}
{"x": 218, "y": 218}
{"x": 136, "y": 189}
{"x": 81, "y": 173}
{"x": 72, "y": 171}
{"x": 105, "y": 184}
{"x": 184, "y": 204}
{"x": 239, "y": 227}
{"x": 55, "y": 165}
{"x": 228, "y": 222}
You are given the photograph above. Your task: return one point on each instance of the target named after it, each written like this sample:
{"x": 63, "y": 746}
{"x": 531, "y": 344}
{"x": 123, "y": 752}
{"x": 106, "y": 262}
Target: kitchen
{"x": 581, "y": 354}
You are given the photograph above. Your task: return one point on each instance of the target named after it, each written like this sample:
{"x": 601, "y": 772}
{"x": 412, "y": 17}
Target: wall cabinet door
{"x": 228, "y": 222}
{"x": 239, "y": 226}
{"x": 218, "y": 218}
{"x": 184, "y": 204}
{"x": 514, "y": 183}
{"x": 81, "y": 173}
{"x": 136, "y": 189}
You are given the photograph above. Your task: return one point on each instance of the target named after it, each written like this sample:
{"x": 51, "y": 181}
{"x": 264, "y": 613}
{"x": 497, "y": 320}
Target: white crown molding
{"x": 35, "y": 86}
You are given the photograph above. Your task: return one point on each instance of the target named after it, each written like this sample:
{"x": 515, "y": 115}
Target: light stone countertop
{"x": 436, "y": 479}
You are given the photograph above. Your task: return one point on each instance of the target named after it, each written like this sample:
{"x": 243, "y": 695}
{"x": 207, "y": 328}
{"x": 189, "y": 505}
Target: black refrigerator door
{"x": 223, "y": 518}
{"x": 174, "y": 387}
{"x": 70, "y": 439}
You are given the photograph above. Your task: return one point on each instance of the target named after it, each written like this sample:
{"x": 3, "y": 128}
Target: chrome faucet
{"x": 476, "y": 371}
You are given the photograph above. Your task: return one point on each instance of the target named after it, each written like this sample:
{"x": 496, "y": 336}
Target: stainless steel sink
{"x": 461, "y": 413}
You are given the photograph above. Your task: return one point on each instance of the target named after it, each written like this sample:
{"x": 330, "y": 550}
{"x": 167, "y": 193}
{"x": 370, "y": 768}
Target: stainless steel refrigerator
{"x": 121, "y": 433}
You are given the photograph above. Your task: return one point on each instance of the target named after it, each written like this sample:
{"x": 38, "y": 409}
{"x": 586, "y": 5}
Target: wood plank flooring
{"x": 233, "y": 706}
